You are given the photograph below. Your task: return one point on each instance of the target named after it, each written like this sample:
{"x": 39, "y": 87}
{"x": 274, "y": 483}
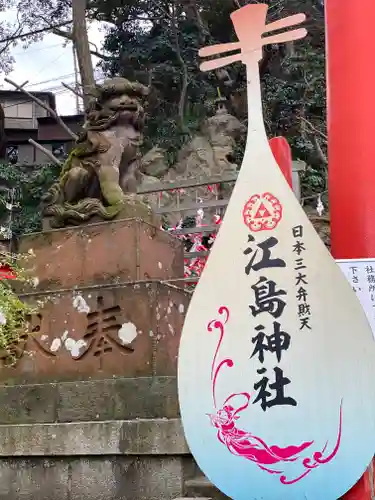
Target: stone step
{"x": 85, "y": 401}
{"x": 201, "y": 487}
{"x": 142, "y": 437}
{"x": 114, "y": 460}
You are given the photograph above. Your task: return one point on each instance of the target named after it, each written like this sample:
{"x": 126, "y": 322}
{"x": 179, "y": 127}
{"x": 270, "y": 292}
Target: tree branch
{"x": 323, "y": 158}
{"x": 64, "y": 34}
{"x": 13, "y": 38}
{"x": 312, "y": 127}
{"x": 10, "y": 41}
{"x": 44, "y": 106}
{"x": 102, "y": 56}
{"x": 185, "y": 73}
{"x": 76, "y": 92}
{"x": 165, "y": 11}
{"x": 45, "y": 151}
{"x": 68, "y": 35}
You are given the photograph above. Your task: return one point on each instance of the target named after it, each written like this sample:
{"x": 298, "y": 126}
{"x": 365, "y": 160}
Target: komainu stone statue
{"x": 101, "y": 174}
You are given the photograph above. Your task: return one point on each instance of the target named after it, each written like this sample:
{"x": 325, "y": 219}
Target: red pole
{"x": 351, "y": 132}
{"x": 351, "y": 112}
{"x": 283, "y": 156}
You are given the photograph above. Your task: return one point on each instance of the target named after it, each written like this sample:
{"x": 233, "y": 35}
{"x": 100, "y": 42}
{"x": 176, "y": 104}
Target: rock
{"x": 321, "y": 224}
{"x": 195, "y": 159}
{"x": 208, "y": 154}
{"x": 223, "y": 125}
{"x": 153, "y": 199}
{"x": 154, "y": 163}
{"x": 136, "y": 207}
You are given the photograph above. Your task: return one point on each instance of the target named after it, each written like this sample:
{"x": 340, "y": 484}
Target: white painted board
{"x": 276, "y": 360}
{"x": 361, "y": 275}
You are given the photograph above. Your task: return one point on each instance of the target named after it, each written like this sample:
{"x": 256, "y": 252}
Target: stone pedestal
{"x": 129, "y": 330}
{"x": 109, "y": 309}
{"x": 90, "y": 410}
{"x": 102, "y": 254}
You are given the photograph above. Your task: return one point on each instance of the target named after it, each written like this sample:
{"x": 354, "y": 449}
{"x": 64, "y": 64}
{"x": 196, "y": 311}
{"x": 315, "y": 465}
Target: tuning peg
{"x": 287, "y": 22}
{"x": 221, "y": 48}
{"x": 220, "y": 62}
{"x": 288, "y": 36}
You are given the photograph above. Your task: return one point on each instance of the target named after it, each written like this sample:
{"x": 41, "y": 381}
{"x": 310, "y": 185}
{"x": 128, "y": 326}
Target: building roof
{"x": 22, "y": 141}
{"x": 8, "y": 93}
{"x": 45, "y": 120}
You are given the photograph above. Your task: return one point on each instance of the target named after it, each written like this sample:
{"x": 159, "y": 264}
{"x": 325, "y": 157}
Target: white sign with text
{"x": 361, "y": 275}
{"x": 276, "y": 359}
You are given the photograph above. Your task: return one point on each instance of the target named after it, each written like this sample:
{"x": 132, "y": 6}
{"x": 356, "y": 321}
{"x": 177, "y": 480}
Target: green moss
{"x": 14, "y": 312}
{"x": 77, "y": 151}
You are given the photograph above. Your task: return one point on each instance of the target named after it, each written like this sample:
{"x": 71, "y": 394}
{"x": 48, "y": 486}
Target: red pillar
{"x": 283, "y": 156}
{"x": 351, "y": 124}
{"x": 351, "y": 130}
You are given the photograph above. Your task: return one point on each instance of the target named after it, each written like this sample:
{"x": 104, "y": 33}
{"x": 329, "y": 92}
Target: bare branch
{"x": 165, "y": 12}
{"x": 64, "y": 34}
{"x": 68, "y": 35}
{"x": 323, "y": 158}
{"x": 21, "y": 35}
{"x": 44, "y": 106}
{"x": 10, "y": 41}
{"x": 185, "y": 73}
{"x": 24, "y": 83}
{"x": 56, "y": 30}
{"x": 75, "y": 91}
{"x": 312, "y": 127}
{"x": 102, "y": 56}
{"x": 46, "y": 152}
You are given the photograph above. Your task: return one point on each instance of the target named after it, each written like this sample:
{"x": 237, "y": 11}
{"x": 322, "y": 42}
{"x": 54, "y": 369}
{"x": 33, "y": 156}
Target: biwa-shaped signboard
{"x": 277, "y": 359}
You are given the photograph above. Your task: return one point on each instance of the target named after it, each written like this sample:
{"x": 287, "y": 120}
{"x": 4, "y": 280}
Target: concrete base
{"x": 118, "y": 439}
{"x": 91, "y": 478}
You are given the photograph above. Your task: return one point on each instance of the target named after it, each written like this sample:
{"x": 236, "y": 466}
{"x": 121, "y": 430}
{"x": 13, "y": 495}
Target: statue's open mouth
{"x": 129, "y": 107}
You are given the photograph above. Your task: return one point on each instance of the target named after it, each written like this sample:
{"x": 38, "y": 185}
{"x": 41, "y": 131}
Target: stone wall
{"x": 112, "y": 439}
{"x": 118, "y": 439}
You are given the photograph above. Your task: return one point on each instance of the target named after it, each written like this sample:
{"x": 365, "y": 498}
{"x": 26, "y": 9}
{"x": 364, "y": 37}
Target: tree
{"x": 81, "y": 43}
{"x": 24, "y": 187}
{"x": 144, "y": 46}
{"x": 41, "y": 16}
{"x": 156, "y": 42}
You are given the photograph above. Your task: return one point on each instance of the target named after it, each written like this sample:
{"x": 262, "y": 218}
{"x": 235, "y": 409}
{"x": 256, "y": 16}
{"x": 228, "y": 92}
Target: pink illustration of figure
{"x": 241, "y": 443}
{"x": 244, "y": 444}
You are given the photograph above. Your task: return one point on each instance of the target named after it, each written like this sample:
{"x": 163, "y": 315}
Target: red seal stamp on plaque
{"x": 262, "y": 212}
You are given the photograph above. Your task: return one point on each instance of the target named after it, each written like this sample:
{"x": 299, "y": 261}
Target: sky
{"x": 46, "y": 64}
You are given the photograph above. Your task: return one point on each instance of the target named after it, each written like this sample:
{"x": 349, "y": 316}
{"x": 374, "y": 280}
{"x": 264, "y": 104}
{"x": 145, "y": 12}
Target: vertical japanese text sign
{"x": 276, "y": 362}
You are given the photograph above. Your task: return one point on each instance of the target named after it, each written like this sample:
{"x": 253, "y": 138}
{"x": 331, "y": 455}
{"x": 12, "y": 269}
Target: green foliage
{"x": 152, "y": 55}
{"x": 293, "y": 76}
{"x": 25, "y": 186}
{"x": 13, "y": 312}
{"x": 156, "y": 42}
{"x": 20, "y": 198}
